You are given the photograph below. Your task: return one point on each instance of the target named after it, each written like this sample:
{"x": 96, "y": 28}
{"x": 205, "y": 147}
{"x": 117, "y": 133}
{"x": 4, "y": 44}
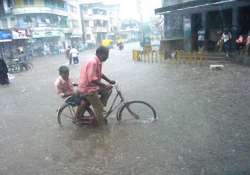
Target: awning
{"x": 199, "y": 5}
{"x": 5, "y": 36}
{"x": 5, "y": 40}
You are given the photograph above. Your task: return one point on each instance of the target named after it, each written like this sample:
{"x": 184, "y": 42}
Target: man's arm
{"x": 98, "y": 83}
{"x": 107, "y": 79}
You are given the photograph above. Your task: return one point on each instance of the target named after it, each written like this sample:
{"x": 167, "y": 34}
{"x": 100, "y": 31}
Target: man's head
{"x": 64, "y": 72}
{"x": 102, "y": 53}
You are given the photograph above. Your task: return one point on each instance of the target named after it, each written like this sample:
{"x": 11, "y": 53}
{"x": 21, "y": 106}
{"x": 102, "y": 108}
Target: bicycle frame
{"x": 113, "y": 105}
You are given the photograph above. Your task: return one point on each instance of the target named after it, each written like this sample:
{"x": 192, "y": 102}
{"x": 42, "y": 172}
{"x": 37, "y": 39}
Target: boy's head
{"x": 64, "y": 72}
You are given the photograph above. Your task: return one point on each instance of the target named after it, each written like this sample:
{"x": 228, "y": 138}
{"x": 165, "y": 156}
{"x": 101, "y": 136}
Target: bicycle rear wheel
{"x": 139, "y": 110}
{"x": 66, "y": 114}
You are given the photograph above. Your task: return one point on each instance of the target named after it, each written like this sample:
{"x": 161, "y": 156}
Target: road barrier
{"x": 189, "y": 57}
{"x": 148, "y": 55}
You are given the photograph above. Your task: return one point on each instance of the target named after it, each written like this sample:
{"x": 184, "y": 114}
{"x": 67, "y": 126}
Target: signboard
{"x": 19, "y": 34}
{"x": 43, "y": 34}
{"x": 5, "y": 36}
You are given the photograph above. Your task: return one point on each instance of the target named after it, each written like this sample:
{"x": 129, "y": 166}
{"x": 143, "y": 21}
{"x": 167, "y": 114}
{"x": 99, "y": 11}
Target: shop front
{"x": 20, "y": 38}
{"x": 46, "y": 42}
{"x": 209, "y": 18}
{"x": 5, "y": 43}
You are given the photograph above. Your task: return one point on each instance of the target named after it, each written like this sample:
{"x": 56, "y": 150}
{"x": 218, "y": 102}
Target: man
{"x": 74, "y": 55}
{"x": 240, "y": 43}
{"x": 226, "y": 40}
{"x": 67, "y": 54}
{"x": 247, "y": 44}
{"x": 91, "y": 86}
{"x": 201, "y": 39}
{"x": 22, "y": 57}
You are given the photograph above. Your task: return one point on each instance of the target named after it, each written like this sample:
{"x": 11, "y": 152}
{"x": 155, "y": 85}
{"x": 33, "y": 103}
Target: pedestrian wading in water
{"x": 4, "y": 79}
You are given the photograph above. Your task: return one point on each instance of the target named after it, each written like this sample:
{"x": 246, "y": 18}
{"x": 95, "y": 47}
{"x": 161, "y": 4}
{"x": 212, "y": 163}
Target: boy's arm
{"x": 59, "y": 90}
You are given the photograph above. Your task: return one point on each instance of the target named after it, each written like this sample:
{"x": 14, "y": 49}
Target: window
{"x": 88, "y": 37}
{"x": 28, "y": 2}
{"x": 86, "y": 23}
{"x": 105, "y": 23}
{"x": 4, "y": 24}
{"x": 97, "y": 23}
{"x": 9, "y": 3}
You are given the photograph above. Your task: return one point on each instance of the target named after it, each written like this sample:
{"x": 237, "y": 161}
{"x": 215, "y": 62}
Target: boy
{"x": 63, "y": 83}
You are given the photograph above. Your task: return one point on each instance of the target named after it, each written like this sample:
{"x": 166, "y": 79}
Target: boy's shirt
{"x": 64, "y": 87}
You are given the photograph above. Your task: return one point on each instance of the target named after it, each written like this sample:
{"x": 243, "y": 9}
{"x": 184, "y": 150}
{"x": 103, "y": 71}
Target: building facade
{"x": 41, "y": 26}
{"x": 130, "y": 30}
{"x": 184, "y": 19}
{"x": 98, "y": 21}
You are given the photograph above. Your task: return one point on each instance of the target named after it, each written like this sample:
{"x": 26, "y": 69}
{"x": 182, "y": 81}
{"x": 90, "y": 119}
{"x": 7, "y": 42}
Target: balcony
{"x": 38, "y": 9}
{"x": 100, "y": 30}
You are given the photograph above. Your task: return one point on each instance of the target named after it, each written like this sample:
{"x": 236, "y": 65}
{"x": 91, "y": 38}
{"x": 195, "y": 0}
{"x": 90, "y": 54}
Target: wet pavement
{"x": 203, "y": 126}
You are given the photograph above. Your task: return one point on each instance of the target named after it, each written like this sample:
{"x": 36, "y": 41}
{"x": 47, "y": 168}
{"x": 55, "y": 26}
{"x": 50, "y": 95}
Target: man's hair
{"x": 63, "y": 70}
{"x": 102, "y": 50}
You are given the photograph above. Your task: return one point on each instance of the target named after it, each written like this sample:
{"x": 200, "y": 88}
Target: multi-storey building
{"x": 98, "y": 20}
{"x": 130, "y": 30}
{"x": 74, "y": 22}
{"x": 46, "y": 25}
{"x": 185, "y": 18}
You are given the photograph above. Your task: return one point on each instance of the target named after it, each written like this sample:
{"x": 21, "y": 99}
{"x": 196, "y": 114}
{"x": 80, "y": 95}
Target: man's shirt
{"x": 91, "y": 71}
{"x": 74, "y": 52}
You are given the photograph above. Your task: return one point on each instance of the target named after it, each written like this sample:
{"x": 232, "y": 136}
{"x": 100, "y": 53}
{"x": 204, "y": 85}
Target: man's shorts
{"x": 75, "y": 99}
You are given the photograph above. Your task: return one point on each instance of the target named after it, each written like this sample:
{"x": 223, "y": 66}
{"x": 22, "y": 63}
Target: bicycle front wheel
{"x": 139, "y": 110}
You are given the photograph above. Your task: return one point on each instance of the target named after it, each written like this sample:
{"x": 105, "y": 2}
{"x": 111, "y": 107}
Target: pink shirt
{"x": 63, "y": 86}
{"x": 248, "y": 40}
{"x": 91, "y": 71}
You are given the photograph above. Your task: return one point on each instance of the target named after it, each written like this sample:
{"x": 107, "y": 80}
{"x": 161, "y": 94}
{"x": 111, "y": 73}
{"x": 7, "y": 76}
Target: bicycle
{"x": 126, "y": 110}
{"x": 16, "y": 66}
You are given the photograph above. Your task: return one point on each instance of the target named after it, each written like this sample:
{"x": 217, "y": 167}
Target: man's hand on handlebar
{"x": 75, "y": 84}
{"x": 112, "y": 82}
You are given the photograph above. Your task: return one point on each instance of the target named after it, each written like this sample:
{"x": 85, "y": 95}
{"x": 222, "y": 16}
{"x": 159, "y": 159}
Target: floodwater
{"x": 203, "y": 126}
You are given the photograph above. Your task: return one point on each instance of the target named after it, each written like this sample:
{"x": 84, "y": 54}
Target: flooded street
{"x": 203, "y": 126}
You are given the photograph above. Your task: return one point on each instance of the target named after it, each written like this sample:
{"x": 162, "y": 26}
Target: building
{"x": 43, "y": 26}
{"x": 130, "y": 30}
{"x": 98, "y": 21}
{"x": 74, "y": 22}
{"x": 183, "y": 19}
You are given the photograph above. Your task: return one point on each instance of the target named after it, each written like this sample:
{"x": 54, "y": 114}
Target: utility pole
{"x": 139, "y": 8}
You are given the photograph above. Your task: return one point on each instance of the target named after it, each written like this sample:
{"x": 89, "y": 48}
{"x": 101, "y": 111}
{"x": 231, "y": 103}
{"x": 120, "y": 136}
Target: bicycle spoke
{"x": 72, "y": 111}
